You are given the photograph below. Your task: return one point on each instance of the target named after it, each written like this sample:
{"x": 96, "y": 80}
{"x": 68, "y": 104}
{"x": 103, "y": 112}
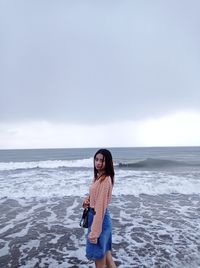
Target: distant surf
{"x": 155, "y": 163}
{"x": 46, "y": 164}
{"x": 155, "y": 207}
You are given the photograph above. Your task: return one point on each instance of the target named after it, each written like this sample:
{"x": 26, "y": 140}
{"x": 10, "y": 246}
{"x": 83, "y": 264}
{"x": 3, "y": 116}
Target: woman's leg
{"x": 101, "y": 263}
{"x": 109, "y": 260}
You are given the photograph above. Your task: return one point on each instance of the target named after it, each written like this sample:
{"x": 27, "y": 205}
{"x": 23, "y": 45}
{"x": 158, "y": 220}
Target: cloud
{"x": 43, "y": 134}
{"x": 181, "y": 129}
{"x": 84, "y": 63}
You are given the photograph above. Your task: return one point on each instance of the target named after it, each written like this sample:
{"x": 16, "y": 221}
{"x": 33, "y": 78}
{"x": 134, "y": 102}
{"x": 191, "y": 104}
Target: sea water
{"x": 155, "y": 207}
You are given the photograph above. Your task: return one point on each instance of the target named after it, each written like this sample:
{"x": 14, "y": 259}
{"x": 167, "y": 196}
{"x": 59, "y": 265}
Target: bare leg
{"x": 101, "y": 263}
{"x": 109, "y": 260}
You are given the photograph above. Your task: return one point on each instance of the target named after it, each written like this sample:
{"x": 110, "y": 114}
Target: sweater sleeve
{"x": 103, "y": 198}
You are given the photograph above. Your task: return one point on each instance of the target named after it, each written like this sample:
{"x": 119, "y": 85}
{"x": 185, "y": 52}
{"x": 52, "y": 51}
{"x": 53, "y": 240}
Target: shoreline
{"x": 148, "y": 231}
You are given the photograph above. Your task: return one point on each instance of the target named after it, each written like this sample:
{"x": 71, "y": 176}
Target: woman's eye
{"x": 101, "y": 160}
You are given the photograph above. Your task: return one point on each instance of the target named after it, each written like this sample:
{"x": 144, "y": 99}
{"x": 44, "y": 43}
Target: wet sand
{"x": 148, "y": 231}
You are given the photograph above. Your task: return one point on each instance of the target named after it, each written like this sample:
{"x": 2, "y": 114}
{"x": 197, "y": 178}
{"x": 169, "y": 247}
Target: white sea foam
{"x": 87, "y": 162}
{"x": 60, "y": 183}
{"x": 146, "y": 231}
{"x": 41, "y": 210}
{"x": 153, "y": 183}
{"x": 4, "y": 249}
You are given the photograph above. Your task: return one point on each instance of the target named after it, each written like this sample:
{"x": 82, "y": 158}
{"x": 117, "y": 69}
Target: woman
{"x": 99, "y": 237}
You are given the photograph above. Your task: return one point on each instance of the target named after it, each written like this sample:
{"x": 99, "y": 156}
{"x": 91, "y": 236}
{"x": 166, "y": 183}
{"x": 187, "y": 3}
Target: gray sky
{"x": 96, "y": 62}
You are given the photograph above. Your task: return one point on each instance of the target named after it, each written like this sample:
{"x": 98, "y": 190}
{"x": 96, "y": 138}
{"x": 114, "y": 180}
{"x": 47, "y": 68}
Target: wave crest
{"x": 155, "y": 163}
{"x": 87, "y": 162}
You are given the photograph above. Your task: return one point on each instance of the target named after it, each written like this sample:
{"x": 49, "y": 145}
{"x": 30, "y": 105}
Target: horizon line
{"x": 111, "y": 147}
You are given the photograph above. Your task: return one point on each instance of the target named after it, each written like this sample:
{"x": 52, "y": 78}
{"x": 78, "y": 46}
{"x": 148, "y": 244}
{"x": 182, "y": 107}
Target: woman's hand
{"x": 92, "y": 239}
{"x": 86, "y": 202}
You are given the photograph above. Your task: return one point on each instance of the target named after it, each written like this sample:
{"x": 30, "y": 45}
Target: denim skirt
{"x": 104, "y": 242}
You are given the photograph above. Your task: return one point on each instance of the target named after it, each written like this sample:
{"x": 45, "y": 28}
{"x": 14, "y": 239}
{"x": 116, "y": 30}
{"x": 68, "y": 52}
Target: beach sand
{"x": 148, "y": 231}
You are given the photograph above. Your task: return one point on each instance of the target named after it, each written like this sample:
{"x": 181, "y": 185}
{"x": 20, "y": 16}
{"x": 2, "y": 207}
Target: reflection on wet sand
{"x": 148, "y": 231}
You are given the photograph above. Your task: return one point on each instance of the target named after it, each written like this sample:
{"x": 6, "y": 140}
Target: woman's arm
{"x": 103, "y": 197}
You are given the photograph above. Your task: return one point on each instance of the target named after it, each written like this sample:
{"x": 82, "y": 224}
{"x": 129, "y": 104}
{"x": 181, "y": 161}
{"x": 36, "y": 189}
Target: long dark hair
{"x": 109, "y": 168}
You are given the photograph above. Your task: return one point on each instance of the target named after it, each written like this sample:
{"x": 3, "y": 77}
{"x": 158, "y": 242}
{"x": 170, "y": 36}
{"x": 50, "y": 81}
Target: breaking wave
{"x": 87, "y": 162}
{"x": 156, "y": 163}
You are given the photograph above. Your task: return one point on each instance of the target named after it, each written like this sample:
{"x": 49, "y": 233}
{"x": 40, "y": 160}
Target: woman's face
{"x": 99, "y": 162}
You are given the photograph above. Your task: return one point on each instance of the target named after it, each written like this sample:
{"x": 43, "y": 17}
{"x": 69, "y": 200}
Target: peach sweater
{"x": 100, "y": 197}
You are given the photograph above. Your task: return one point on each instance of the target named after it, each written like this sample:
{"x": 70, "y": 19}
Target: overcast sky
{"x": 99, "y": 73}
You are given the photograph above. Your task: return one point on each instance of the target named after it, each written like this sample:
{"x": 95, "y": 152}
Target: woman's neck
{"x": 100, "y": 174}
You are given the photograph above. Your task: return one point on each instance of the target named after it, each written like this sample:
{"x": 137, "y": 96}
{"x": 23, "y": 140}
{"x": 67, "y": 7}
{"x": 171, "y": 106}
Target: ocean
{"x": 155, "y": 207}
